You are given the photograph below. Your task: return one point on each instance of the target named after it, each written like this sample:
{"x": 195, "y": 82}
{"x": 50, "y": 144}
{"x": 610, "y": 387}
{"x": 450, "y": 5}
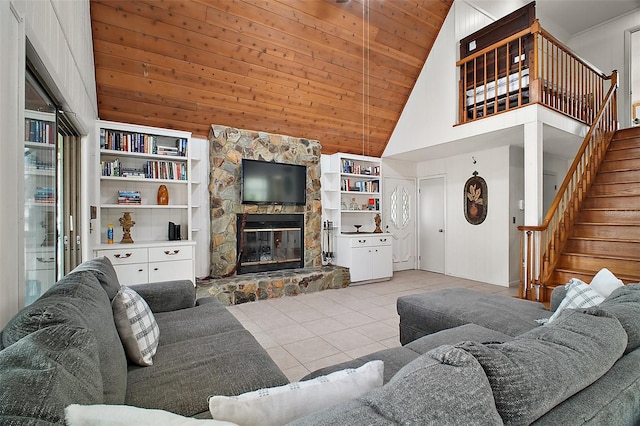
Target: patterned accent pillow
{"x": 136, "y": 326}
{"x": 283, "y": 404}
{"x": 579, "y": 295}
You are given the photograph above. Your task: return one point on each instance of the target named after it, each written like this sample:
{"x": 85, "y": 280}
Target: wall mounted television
{"x": 266, "y": 182}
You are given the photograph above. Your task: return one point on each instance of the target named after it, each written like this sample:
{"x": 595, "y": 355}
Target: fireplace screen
{"x": 270, "y": 242}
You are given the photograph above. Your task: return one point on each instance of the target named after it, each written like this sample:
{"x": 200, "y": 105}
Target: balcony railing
{"x": 529, "y": 67}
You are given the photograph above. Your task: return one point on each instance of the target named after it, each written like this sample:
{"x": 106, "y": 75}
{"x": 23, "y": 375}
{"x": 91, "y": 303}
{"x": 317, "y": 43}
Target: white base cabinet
{"x": 153, "y": 263}
{"x": 368, "y": 256}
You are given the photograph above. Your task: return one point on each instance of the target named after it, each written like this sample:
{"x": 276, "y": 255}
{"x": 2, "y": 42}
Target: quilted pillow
{"x": 136, "y": 326}
{"x": 579, "y": 295}
{"x": 282, "y": 404}
{"x": 47, "y": 370}
{"x": 543, "y": 367}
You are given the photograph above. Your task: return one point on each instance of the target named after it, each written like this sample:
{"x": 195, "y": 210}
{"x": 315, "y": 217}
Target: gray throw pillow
{"x": 46, "y": 371}
{"x": 78, "y": 300}
{"x": 543, "y": 367}
{"x": 624, "y": 304}
{"x": 444, "y": 386}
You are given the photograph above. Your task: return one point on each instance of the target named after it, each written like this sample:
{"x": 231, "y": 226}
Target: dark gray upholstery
{"x": 78, "y": 299}
{"x": 187, "y": 324}
{"x": 103, "y": 270}
{"x": 624, "y": 304}
{"x": 426, "y": 313}
{"x": 539, "y": 369}
{"x": 167, "y": 295}
{"x": 184, "y": 374}
{"x": 46, "y": 371}
{"x": 613, "y": 400}
{"x": 444, "y": 386}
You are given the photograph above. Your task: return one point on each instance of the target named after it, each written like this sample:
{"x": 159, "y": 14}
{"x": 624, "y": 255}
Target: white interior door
{"x": 432, "y": 224}
{"x": 400, "y": 221}
{"x": 549, "y": 189}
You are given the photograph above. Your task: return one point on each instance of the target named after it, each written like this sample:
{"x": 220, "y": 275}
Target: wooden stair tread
{"x": 627, "y": 278}
{"x": 602, "y": 256}
{"x": 607, "y": 224}
{"x": 601, "y": 239}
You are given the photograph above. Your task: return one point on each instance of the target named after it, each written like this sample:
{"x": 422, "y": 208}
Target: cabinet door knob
{"x": 119, "y": 256}
{"x": 155, "y": 269}
{"x": 383, "y": 240}
{"x": 171, "y": 253}
{"x": 43, "y": 260}
{"x": 362, "y": 241}
{"x": 140, "y": 270}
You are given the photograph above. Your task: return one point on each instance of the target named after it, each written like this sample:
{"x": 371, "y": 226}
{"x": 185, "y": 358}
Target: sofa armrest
{"x": 206, "y": 300}
{"x": 168, "y": 295}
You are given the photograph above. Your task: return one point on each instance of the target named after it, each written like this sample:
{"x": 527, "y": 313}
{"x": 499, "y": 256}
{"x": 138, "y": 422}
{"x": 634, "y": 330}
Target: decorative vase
{"x": 127, "y": 223}
{"x": 163, "y": 195}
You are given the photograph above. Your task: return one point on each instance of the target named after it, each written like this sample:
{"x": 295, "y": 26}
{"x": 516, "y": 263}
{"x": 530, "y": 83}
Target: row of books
{"x": 140, "y": 142}
{"x": 129, "y": 197}
{"x": 360, "y": 185}
{"x": 152, "y": 169}
{"x": 352, "y": 167}
{"x": 44, "y": 195}
{"x": 39, "y": 131}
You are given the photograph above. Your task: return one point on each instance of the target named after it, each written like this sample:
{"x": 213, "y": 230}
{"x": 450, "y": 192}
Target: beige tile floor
{"x": 310, "y": 331}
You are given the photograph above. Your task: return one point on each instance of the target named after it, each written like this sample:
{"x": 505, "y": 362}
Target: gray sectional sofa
{"x": 478, "y": 359}
{"x": 65, "y": 349}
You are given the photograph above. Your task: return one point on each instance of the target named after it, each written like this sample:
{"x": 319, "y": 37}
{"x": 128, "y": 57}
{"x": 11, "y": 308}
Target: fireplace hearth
{"x": 270, "y": 242}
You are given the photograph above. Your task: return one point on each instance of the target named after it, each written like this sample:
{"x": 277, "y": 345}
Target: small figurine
{"x": 377, "y": 220}
{"x": 127, "y": 223}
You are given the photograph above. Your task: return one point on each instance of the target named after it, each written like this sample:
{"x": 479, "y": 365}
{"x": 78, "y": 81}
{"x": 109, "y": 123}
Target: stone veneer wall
{"x": 228, "y": 146}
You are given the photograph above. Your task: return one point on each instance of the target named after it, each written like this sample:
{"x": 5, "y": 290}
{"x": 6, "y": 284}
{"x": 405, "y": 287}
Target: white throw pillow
{"x": 126, "y": 415}
{"x": 604, "y": 282}
{"x": 136, "y": 326}
{"x": 579, "y": 295}
{"x": 283, "y": 404}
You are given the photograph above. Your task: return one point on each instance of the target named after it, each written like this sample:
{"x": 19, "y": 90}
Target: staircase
{"x": 606, "y": 233}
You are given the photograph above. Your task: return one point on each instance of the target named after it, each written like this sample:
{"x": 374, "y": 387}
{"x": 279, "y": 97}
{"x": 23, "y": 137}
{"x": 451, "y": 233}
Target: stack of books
{"x": 44, "y": 195}
{"x": 129, "y": 197}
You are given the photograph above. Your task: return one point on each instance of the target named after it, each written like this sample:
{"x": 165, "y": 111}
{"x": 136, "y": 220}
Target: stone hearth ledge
{"x": 266, "y": 285}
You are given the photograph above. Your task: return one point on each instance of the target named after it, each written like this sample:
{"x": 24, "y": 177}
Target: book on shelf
{"x": 39, "y": 131}
{"x": 44, "y": 195}
{"x": 129, "y": 197}
{"x": 141, "y": 143}
{"x": 353, "y": 167}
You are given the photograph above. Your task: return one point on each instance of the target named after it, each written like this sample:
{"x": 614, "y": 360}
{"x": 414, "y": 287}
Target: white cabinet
{"x": 151, "y": 263}
{"x": 134, "y": 162}
{"x": 368, "y": 256}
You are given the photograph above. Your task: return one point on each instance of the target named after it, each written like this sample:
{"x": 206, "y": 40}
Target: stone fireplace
{"x": 228, "y": 146}
{"x": 270, "y": 242}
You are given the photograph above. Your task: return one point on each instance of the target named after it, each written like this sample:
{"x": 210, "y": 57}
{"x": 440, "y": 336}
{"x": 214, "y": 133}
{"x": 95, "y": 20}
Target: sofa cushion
{"x": 426, "y": 313}
{"x": 103, "y": 270}
{"x": 443, "y": 386}
{"x": 136, "y": 326}
{"x": 279, "y": 405}
{"x": 187, "y": 324}
{"x": 46, "y": 371}
{"x": 456, "y": 335}
{"x": 614, "y": 399}
{"x": 624, "y": 304}
{"x": 168, "y": 296}
{"x": 543, "y": 367}
{"x": 579, "y": 295}
{"x": 184, "y": 374}
{"x": 78, "y": 300}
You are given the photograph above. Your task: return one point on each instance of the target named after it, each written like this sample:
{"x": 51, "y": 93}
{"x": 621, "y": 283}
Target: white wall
{"x": 60, "y": 32}
{"x": 477, "y": 252}
{"x": 604, "y": 47}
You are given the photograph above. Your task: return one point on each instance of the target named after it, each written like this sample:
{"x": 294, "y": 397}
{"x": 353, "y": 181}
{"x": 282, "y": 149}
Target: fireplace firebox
{"x": 270, "y": 242}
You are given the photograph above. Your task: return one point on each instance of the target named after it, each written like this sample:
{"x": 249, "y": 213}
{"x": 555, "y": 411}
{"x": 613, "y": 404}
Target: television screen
{"x": 273, "y": 183}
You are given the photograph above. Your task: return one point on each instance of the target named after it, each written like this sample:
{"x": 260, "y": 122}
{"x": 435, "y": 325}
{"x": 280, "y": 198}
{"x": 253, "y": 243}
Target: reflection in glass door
{"x": 40, "y": 215}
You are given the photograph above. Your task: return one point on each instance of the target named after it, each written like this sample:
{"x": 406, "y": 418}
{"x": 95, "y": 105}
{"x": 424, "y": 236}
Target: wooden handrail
{"x": 541, "y": 244}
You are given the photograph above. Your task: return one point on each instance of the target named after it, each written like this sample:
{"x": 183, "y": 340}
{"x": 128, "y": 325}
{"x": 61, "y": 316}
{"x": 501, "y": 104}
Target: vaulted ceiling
{"x": 339, "y": 72}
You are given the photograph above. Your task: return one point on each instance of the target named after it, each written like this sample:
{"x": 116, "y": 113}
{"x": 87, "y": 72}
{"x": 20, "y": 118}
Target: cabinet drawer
{"x": 125, "y": 256}
{"x": 170, "y": 253}
{"x": 370, "y": 240}
{"x": 132, "y": 273}
{"x": 169, "y": 271}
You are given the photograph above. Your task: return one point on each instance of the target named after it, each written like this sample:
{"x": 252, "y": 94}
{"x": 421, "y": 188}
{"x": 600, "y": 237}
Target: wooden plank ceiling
{"x": 337, "y": 72}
